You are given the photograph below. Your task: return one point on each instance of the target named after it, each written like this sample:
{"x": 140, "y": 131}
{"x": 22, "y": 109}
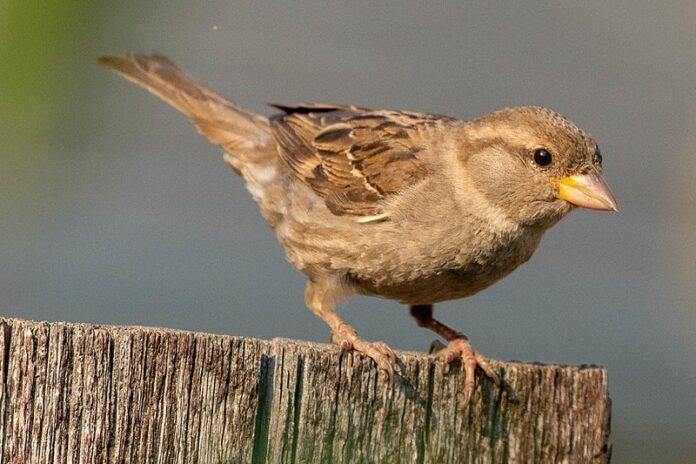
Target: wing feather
{"x": 354, "y": 158}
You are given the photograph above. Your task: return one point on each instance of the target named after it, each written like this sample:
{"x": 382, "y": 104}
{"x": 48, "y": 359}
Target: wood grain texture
{"x": 78, "y": 393}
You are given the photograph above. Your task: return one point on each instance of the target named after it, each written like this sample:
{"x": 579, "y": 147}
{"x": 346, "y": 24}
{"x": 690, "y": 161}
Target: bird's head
{"x": 535, "y": 165}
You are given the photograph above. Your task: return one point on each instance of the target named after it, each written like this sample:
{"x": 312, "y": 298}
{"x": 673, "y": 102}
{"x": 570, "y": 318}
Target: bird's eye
{"x": 542, "y": 157}
{"x": 597, "y": 158}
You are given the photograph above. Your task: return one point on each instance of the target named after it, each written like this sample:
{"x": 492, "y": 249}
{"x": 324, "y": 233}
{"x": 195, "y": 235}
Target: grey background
{"x": 113, "y": 210}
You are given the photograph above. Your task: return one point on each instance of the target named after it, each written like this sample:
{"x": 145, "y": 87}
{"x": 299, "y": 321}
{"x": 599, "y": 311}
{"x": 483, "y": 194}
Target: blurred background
{"x": 113, "y": 210}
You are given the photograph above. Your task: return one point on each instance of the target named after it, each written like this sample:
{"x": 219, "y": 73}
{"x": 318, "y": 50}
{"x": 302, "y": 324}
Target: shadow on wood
{"x": 97, "y": 394}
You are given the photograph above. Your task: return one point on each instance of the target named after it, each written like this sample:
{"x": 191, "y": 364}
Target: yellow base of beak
{"x": 587, "y": 191}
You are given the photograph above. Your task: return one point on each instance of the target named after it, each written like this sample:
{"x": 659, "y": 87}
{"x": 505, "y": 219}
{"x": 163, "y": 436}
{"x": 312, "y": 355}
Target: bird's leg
{"x": 457, "y": 348}
{"x": 321, "y": 300}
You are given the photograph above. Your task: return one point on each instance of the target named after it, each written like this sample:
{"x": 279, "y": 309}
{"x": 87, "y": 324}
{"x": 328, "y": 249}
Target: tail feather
{"x": 217, "y": 119}
{"x": 246, "y": 138}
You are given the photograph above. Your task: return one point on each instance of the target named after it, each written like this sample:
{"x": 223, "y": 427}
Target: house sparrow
{"x": 412, "y": 207}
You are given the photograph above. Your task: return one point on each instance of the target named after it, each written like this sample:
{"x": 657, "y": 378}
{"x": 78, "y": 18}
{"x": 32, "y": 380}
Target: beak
{"x": 587, "y": 191}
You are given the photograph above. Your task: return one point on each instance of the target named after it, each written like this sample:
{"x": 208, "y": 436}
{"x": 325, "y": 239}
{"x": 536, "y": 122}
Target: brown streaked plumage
{"x": 413, "y": 207}
{"x": 353, "y": 157}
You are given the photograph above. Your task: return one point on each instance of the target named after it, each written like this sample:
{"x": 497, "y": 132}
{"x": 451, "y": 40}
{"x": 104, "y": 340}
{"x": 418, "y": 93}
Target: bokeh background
{"x": 113, "y": 210}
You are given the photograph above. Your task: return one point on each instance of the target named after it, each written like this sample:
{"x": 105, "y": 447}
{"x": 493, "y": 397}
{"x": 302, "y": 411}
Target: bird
{"x": 413, "y": 207}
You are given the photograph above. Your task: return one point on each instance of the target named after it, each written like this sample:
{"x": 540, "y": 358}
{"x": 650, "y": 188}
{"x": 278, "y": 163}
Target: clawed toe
{"x": 343, "y": 343}
{"x": 379, "y": 352}
{"x": 461, "y": 349}
{"x": 384, "y": 348}
{"x": 485, "y": 366}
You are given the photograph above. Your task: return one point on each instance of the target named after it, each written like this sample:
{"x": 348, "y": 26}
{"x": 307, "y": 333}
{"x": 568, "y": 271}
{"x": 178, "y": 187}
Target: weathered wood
{"x": 78, "y": 393}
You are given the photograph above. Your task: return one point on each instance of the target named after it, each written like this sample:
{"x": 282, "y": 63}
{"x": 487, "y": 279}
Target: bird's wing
{"x": 352, "y": 157}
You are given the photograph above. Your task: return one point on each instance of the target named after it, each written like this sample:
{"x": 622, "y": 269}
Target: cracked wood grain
{"x": 79, "y": 393}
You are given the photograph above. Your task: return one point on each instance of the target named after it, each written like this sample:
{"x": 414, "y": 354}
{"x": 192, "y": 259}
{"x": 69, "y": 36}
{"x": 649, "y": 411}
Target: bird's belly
{"x": 435, "y": 281}
{"x": 446, "y": 285}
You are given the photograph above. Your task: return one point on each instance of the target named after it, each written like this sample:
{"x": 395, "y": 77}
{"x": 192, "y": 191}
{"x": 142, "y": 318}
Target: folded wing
{"x": 354, "y": 158}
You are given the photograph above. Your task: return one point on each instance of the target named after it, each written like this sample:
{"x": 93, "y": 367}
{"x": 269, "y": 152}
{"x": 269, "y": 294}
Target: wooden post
{"x": 79, "y": 393}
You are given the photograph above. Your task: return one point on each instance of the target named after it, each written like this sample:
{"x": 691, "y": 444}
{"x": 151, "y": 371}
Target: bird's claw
{"x": 460, "y": 348}
{"x": 379, "y": 352}
{"x": 343, "y": 343}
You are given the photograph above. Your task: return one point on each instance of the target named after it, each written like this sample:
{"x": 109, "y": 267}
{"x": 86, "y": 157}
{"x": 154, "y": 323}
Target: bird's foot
{"x": 460, "y": 348}
{"x": 380, "y": 353}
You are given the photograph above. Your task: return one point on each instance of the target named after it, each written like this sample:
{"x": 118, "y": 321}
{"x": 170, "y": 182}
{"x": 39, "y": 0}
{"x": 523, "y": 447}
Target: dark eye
{"x": 597, "y": 158}
{"x": 542, "y": 157}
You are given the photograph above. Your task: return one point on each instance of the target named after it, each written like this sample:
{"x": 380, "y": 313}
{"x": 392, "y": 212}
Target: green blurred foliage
{"x": 38, "y": 45}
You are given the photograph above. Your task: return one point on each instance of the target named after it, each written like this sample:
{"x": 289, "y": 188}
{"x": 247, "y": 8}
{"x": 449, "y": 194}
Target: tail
{"x": 244, "y": 135}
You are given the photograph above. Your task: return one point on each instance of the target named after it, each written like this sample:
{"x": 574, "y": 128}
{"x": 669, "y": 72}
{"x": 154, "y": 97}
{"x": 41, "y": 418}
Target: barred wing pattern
{"x": 353, "y": 157}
